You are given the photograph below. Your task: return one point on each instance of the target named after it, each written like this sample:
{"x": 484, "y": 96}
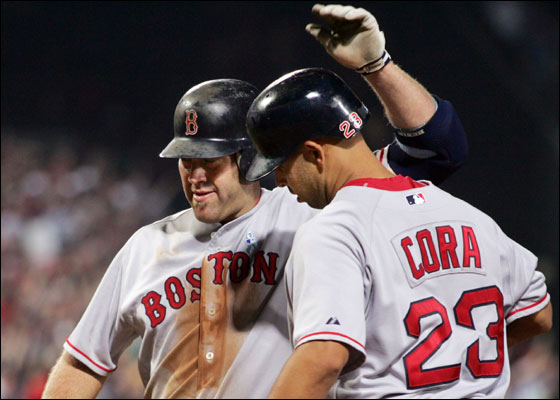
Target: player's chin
{"x": 301, "y": 198}
{"x": 203, "y": 215}
{"x": 311, "y": 202}
{"x": 204, "y": 212}
{"x": 314, "y": 205}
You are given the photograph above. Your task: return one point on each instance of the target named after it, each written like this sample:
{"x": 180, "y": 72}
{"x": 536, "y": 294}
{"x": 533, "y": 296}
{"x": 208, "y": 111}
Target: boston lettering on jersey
{"x": 432, "y": 251}
{"x": 239, "y": 270}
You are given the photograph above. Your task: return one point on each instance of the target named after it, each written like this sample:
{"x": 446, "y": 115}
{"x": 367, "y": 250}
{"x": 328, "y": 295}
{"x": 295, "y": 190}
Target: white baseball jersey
{"x": 206, "y": 300}
{"x": 418, "y": 283}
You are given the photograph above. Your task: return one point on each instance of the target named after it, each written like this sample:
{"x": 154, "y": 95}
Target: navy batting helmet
{"x": 301, "y": 105}
{"x": 209, "y": 122}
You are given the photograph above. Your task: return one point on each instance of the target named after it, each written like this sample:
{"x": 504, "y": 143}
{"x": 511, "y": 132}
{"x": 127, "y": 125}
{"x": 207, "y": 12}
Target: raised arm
{"x": 70, "y": 379}
{"x": 430, "y": 142}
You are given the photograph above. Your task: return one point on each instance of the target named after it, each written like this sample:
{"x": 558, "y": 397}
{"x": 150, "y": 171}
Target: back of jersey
{"x": 441, "y": 282}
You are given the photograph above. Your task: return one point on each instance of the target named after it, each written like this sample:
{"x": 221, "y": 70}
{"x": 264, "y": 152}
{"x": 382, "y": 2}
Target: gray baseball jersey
{"x": 419, "y": 284}
{"x": 205, "y": 299}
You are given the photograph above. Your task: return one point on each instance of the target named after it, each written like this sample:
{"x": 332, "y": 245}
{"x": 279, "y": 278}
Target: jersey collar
{"x": 395, "y": 184}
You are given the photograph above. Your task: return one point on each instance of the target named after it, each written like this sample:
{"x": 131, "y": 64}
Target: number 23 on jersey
{"x": 416, "y": 375}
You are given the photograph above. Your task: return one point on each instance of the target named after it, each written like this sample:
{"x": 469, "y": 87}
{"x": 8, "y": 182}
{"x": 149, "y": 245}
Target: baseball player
{"x": 203, "y": 287}
{"x": 396, "y": 286}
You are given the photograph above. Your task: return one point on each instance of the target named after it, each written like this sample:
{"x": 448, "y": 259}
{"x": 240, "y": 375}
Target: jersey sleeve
{"x": 102, "y": 333}
{"x": 431, "y": 152}
{"x": 326, "y": 290}
{"x": 526, "y": 287}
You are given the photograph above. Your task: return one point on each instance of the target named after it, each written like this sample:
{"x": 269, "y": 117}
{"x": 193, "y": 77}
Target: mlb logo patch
{"x": 416, "y": 198}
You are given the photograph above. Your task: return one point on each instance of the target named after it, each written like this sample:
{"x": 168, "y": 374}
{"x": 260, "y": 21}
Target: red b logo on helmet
{"x": 192, "y": 127}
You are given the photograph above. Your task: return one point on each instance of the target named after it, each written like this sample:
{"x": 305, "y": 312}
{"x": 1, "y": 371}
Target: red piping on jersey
{"x": 525, "y": 308}
{"x": 259, "y": 199}
{"x": 395, "y": 184}
{"x": 85, "y": 355}
{"x": 332, "y": 333}
{"x": 381, "y": 152}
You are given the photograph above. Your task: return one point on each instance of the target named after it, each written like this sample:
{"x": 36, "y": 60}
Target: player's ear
{"x": 314, "y": 153}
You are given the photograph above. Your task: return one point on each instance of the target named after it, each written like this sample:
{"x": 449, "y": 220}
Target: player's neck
{"x": 247, "y": 198}
{"x": 252, "y": 194}
{"x": 349, "y": 164}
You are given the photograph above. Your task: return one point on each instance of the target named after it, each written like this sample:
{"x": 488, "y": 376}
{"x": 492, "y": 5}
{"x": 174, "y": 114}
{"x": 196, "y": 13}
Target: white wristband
{"x": 375, "y": 65}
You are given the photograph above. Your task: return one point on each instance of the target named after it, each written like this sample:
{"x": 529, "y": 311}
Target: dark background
{"x": 107, "y": 76}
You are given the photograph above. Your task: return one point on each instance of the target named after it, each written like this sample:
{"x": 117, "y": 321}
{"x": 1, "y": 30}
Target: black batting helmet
{"x": 301, "y": 105}
{"x": 209, "y": 122}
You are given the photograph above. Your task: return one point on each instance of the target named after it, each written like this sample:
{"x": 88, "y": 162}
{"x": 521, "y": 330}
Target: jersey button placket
{"x": 213, "y": 299}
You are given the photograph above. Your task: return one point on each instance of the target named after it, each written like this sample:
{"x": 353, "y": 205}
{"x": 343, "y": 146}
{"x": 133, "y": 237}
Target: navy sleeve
{"x": 433, "y": 151}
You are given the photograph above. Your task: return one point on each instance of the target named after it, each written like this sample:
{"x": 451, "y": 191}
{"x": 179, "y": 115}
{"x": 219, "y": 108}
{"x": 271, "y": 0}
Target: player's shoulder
{"x": 351, "y": 204}
{"x": 339, "y": 218}
{"x": 183, "y": 221}
{"x": 457, "y": 207}
{"x": 285, "y": 205}
{"x": 168, "y": 221}
{"x": 280, "y": 195}
{"x": 467, "y": 209}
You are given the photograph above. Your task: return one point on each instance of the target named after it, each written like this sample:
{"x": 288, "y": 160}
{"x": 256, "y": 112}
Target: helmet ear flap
{"x": 244, "y": 159}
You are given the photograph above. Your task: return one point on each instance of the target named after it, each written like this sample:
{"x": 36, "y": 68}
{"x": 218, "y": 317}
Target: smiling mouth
{"x": 202, "y": 195}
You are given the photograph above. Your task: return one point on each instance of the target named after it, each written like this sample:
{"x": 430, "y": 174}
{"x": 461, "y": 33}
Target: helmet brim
{"x": 202, "y": 148}
{"x": 262, "y": 166}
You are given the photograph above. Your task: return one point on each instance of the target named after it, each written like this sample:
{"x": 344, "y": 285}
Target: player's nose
{"x": 197, "y": 174}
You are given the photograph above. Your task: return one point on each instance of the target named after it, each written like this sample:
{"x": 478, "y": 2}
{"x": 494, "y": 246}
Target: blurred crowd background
{"x": 88, "y": 94}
